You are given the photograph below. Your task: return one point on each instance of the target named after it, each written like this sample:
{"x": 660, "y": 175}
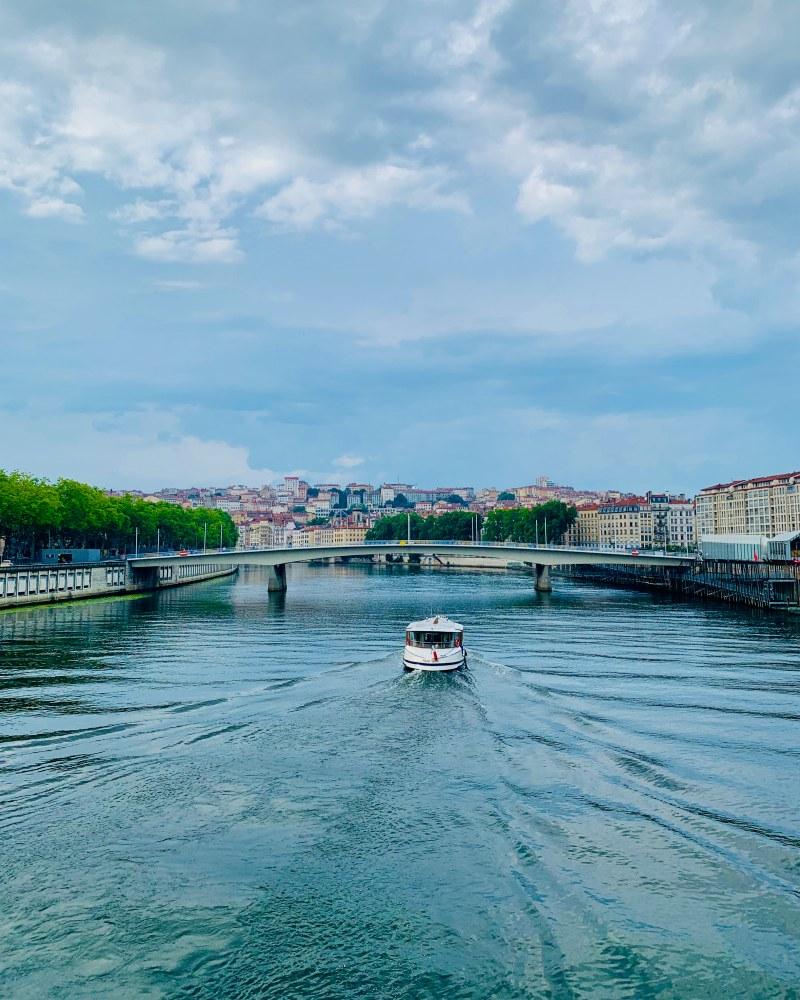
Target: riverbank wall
{"x": 22, "y": 586}
{"x": 769, "y": 586}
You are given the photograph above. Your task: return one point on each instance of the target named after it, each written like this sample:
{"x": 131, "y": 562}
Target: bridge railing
{"x": 533, "y": 546}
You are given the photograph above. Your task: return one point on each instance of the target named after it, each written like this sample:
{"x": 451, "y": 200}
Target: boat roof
{"x": 437, "y": 623}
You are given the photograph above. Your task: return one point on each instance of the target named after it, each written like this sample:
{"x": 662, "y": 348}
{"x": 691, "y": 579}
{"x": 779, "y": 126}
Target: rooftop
{"x": 753, "y": 481}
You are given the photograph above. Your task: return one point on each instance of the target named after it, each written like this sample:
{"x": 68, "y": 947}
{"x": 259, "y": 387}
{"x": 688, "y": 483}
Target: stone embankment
{"x": 21, "y": 586}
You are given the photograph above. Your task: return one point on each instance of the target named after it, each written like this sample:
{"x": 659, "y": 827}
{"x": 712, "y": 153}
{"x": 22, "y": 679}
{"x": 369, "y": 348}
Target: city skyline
{"x": 476, "y": 235}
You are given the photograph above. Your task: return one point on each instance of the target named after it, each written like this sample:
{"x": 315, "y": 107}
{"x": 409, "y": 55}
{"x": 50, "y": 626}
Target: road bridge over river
{"x": 166, "y": 567}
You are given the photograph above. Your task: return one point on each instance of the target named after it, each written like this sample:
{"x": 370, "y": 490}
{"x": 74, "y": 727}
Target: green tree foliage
{"x": 401, "y": 500}
{"x": 505, "y": 496}
{"x": 34, "y": 511}
{"x": 454, "y": 524}
{"x": 395, "y": 526}
{"x": 529, "y": 524}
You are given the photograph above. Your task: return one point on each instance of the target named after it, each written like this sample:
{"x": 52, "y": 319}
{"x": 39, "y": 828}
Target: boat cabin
{"x": 435, "y": 633}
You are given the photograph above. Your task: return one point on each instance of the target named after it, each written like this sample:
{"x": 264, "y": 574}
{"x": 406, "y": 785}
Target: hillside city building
{"x": 294, "y": 512}
{"x": 761, "y": 514}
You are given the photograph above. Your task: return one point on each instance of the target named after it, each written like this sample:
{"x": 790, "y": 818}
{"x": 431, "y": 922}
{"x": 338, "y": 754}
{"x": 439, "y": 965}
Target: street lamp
{"x": 205, "y": 535}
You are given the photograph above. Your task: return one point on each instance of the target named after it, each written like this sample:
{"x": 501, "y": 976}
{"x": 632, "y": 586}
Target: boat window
{"x": 439, "y": 640}
{"x": 433, "y": 640}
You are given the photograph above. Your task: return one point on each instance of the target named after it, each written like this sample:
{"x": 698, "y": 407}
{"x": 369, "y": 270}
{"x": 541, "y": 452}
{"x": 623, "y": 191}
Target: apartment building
{"x": 329, "y": 536}
{"x": 765, "y": 505}
{"x": 681, "y": 524}
{"x": 265, "y": 535}
{"x": 655, "y": 521}
{"x": 586, "y": 529}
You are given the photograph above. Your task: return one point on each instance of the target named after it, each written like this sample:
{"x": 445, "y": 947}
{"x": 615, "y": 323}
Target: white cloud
{"x": 359, "y": 193}
{"x": 348, "y": 461}
{"x": 540, "y": 198}
{"x": 632, "y": 128}
{"x": 111, "y": 107}
{"x": 636, "y": 169}
{"x": 608, "y": 198}
{"x": 54, "y": 208}
{"x": 192, "y": 246}
{"x": 143, "y": 449}
{"x": 465, "y": 43}
{"x": 135, "y": 212}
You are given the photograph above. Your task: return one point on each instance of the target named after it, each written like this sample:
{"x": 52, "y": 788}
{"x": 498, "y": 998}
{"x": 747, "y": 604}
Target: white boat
{"x": 434, "y": 644}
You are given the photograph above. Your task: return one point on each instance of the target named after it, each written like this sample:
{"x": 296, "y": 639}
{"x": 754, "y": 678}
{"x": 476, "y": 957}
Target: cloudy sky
{"x": 439, "y": 241}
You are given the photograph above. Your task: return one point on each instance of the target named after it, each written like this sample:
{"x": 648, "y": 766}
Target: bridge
{"x": 166, "y": 567}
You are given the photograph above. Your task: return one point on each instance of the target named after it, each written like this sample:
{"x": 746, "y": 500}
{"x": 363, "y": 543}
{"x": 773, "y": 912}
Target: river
{"x": 216, "y": 793}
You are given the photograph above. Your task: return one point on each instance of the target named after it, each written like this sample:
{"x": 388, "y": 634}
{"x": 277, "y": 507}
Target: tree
{"x": 456, "y": 525}
{"x": 505, "y": 496}
{"x": 75, "y": 514}
{"x": 396, "y": 527}
{"x": 547, "y": 522}
{"x": 453, "y": 525}
{"x": 455, "y": 498}
{"x": 401, "y": 500}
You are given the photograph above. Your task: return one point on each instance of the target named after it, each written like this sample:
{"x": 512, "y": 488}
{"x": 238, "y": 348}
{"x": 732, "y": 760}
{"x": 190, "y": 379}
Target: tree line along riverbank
{"x": 36, "y": 512}
{"x": 548, "y": 522}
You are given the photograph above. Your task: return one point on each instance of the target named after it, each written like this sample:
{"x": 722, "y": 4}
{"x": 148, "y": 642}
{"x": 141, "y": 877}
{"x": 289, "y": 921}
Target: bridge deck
{"x": 542, "y": 555}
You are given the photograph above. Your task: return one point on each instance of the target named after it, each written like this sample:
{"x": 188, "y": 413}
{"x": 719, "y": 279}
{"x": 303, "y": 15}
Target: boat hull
{"x": 422, "y": 659}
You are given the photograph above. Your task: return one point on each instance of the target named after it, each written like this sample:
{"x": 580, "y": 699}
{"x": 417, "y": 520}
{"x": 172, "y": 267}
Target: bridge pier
{"x": 543, "y": 584}
{"x": 276, "y": 581}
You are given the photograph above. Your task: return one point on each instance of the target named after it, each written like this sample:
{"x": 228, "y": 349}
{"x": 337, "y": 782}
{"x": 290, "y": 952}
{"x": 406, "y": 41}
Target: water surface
{"x": 214, "y": 793}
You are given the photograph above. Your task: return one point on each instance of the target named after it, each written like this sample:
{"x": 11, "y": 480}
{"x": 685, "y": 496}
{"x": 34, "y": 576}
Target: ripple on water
{"x": 212, "y": 792}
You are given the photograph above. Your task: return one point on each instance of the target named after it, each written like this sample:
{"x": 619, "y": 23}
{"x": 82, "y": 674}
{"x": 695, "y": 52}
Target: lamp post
{"x": 158, "y": 540}
{"x": 205, "y": 536}
{"x": 136, "y": 536}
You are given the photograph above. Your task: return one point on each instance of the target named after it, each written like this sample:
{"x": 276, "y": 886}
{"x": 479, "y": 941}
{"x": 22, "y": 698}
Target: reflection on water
{"x": 213, "y": 792}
